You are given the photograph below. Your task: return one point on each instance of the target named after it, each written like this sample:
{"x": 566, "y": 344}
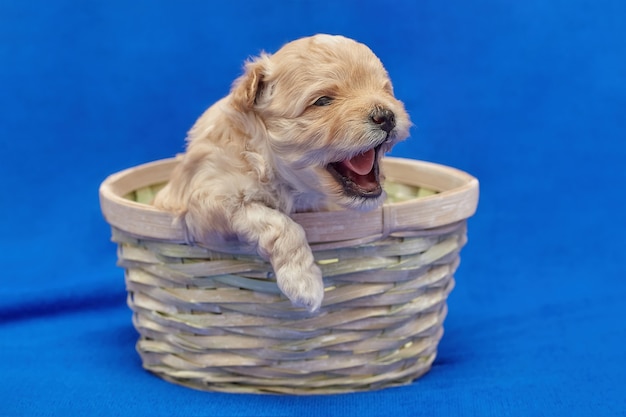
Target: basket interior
{"x": 396, "y": 192}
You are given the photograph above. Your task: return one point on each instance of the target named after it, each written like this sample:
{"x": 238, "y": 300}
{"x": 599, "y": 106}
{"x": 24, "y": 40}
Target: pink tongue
{"x": 361, "y": 164}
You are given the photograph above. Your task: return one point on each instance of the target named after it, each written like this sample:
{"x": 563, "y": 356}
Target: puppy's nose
{"x": 384, "y": 118}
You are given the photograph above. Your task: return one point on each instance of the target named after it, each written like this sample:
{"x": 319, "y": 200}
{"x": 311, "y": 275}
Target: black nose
{"x": 384, "y": 118}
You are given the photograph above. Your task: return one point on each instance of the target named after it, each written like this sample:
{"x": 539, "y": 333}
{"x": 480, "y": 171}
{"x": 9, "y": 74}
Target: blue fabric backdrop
{"x": 529, "y": 96}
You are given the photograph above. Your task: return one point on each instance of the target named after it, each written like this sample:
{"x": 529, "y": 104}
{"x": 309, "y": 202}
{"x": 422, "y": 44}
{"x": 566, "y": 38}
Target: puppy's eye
{"x": 323, "y": 101}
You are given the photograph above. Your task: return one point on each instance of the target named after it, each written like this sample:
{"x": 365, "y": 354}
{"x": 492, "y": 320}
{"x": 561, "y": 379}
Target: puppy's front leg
{"x": 283, "y": 242}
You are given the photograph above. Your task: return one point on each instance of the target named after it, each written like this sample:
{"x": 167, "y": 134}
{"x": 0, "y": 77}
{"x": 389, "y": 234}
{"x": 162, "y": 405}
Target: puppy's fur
{"x": 302, "y": 129}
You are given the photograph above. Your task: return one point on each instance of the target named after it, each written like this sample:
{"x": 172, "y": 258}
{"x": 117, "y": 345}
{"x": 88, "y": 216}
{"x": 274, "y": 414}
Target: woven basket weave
{"x": 214, "y": 318}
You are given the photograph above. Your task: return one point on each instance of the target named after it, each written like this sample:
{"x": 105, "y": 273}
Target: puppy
{"x": 302, "y": 129}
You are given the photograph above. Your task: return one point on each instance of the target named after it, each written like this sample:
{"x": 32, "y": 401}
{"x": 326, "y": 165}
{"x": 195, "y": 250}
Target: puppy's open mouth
{"x": 359, "y": 175}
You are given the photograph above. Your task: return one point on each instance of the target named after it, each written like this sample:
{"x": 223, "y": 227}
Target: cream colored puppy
{"x": 302, "y": 129}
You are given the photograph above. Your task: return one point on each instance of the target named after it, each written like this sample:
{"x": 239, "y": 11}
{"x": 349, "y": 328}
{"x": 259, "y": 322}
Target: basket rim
{"x": 456, "y": 200}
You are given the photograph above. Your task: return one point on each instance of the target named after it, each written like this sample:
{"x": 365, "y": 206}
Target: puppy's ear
{"x": 248, "y": 88}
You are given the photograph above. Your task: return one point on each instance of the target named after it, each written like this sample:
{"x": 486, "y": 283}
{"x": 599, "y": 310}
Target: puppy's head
{"x": 328, "y": 114}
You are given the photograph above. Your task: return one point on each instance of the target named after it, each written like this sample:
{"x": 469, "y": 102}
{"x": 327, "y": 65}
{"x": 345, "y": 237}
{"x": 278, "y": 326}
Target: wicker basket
{"x": 214, "y": 319}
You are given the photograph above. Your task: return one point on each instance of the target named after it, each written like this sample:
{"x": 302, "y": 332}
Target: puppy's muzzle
{"x": 360, "y": 175}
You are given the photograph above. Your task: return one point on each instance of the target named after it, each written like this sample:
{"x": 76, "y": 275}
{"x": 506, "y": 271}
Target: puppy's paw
{"x": 302, "y": 284}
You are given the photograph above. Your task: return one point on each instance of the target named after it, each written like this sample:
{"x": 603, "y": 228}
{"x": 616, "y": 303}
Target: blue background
{"x": 529, "y": 96}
